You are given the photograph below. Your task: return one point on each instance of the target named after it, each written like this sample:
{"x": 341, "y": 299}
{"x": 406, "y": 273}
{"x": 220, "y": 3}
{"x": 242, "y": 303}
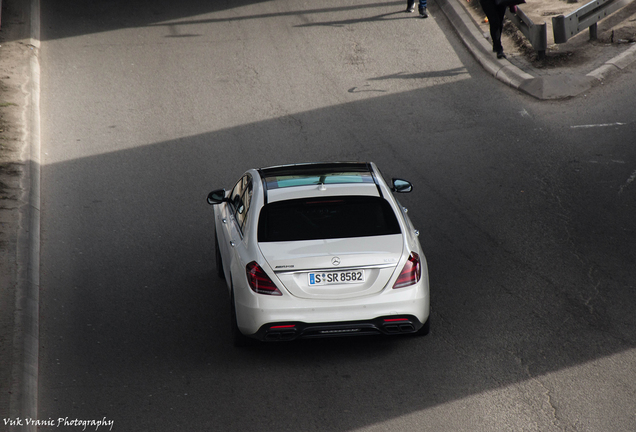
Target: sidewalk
{"x": 568, "y": 69}
{"x": 18, "y": 361}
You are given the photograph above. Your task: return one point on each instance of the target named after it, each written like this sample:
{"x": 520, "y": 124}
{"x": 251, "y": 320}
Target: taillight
{"x": 259, "y": 281}
{"x": 411, "y": 272}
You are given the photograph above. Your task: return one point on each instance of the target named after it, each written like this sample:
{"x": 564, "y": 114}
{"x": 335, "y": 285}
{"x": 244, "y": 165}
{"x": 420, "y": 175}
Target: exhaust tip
{"x": 398, "y": 325}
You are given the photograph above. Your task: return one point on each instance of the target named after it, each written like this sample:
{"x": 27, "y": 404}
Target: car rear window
{"x": 326, "y": 218}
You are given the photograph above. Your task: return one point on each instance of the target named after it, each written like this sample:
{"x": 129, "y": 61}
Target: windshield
{"x": 326, "y": 218}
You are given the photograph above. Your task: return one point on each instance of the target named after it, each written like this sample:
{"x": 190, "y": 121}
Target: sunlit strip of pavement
{"x": 574, "y": 398}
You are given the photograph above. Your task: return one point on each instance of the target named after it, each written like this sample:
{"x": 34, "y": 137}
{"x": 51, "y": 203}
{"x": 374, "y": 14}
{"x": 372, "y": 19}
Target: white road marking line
{"x": 627, "y": 183}
{"x": 598, "y": 125}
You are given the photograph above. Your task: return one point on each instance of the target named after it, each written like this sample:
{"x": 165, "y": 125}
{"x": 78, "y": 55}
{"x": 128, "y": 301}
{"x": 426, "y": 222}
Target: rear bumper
{"x": 389, "y": 325}
{"x": 288, "y": 318}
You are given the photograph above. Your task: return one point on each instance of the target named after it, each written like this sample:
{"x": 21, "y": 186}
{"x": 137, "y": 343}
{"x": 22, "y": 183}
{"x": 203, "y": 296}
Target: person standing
{"x": 410, "y": 8}
{"x": 495, "y": 14}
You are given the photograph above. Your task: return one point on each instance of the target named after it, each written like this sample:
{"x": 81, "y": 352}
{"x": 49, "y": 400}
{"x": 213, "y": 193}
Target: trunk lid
{"x": 335, "y": 268}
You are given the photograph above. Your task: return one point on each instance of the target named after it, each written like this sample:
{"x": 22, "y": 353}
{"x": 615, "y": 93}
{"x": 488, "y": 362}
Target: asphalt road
{"x": 525, "y": 208}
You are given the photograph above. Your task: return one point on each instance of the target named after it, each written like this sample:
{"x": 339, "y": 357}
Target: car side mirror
{"x": 216, "y": 197}
{"x": 401, "y": 186}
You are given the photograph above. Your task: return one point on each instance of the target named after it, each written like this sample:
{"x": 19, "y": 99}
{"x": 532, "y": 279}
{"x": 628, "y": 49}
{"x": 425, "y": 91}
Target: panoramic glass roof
{"x": 315, "y": 174}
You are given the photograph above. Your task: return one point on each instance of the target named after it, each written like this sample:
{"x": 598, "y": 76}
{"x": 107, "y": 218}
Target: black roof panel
{"x": 315, "y": 169}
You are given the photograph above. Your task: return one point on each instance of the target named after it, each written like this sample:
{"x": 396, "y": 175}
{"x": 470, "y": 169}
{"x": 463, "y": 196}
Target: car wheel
{"x": 426, "y": 328}
{"x": 219, "y": 260}
{"x": 238, "y": 338}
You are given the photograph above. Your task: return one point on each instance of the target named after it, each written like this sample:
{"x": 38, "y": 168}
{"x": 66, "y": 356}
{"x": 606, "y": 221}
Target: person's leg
{"x": 501, "y": 14}
{"x": 495, "y": 22}
{"x": 410, "y": 6}
{"x": 422, "y": 9}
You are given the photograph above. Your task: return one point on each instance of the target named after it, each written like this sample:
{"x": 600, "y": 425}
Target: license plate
{"x": 343, "y": 277}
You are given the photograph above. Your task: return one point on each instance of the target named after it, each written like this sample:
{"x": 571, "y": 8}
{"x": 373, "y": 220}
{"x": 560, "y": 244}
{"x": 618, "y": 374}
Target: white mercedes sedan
{"x": 319, "y": 250}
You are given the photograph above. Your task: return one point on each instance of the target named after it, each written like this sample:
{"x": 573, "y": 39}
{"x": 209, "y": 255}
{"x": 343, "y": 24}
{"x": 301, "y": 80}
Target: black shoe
{"x": 410, "y": 9}
{"x": 501, "y": 55}
{"x": 423, "y": 13}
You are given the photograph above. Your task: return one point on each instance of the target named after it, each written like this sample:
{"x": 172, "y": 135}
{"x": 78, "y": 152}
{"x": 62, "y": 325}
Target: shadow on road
{"x": 526, "y": 277}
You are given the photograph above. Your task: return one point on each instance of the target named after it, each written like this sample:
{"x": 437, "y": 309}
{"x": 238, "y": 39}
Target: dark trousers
{"x": 495, "y": 15}
{"x": 411, "y": 3}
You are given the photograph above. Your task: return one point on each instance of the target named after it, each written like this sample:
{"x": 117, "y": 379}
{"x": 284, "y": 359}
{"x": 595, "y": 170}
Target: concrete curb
{"x": 24, "y": 388}
{"x": 619, "y": 62}
{"x": 543, "y": 88}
